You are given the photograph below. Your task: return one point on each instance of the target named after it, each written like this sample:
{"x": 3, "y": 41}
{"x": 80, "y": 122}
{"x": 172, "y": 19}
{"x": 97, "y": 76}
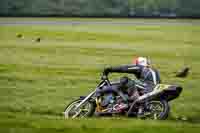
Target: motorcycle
{"x": 155, "y": 104}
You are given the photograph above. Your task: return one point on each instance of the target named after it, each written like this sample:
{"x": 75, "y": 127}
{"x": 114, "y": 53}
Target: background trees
{"x": 186, "y": 8}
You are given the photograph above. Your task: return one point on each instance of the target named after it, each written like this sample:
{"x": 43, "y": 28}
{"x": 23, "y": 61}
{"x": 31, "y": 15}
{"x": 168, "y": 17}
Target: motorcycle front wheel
{"x": 85, "y": 110}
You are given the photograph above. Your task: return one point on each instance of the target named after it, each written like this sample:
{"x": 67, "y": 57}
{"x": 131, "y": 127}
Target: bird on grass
{"x": 38, "y": 39}
{"x": 183, "y": 72}
{"x": 19, "y": 35}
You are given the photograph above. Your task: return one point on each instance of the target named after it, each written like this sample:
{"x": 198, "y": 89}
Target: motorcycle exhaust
{"x": 143, "y": 98}
{"x": 147, "y": 96}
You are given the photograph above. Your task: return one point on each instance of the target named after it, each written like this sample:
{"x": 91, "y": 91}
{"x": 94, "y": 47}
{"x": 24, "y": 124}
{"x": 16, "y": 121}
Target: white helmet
{"x": 142, "y": 61}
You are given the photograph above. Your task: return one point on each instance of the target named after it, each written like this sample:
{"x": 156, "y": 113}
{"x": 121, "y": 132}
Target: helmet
{"x": 142, "y": 61}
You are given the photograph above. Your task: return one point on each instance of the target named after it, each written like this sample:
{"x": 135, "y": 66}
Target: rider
{"x": 147, "y": 76}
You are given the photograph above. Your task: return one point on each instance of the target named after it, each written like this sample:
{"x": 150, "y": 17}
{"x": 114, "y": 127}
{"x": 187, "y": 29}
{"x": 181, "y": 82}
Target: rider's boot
{"x": 140, "y": 112}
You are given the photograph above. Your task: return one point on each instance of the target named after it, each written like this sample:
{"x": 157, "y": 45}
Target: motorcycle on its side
{"x": 155, "y": 103}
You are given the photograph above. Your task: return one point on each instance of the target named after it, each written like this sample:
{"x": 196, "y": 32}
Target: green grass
{"x": 38, "y": 79}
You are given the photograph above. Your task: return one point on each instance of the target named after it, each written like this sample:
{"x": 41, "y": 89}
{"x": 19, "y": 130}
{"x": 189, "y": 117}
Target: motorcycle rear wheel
{"x": 158, "y": 109}
{"x": 86, "y": 110}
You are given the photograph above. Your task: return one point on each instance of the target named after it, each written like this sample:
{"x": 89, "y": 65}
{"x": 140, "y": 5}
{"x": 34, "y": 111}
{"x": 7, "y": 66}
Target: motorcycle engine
{"x": 107, "y": 100}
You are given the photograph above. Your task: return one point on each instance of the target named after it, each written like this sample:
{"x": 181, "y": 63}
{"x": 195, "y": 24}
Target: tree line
{"x": 101, "y": 8}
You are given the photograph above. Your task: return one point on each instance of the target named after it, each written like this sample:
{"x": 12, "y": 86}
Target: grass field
{"x": 38, "y": 79}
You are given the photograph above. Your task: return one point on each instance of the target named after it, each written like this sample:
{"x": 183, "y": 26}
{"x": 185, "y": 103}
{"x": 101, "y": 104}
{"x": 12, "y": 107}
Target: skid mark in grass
{"x": 15, "y": 79}
{"x": 31, "y": 111}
